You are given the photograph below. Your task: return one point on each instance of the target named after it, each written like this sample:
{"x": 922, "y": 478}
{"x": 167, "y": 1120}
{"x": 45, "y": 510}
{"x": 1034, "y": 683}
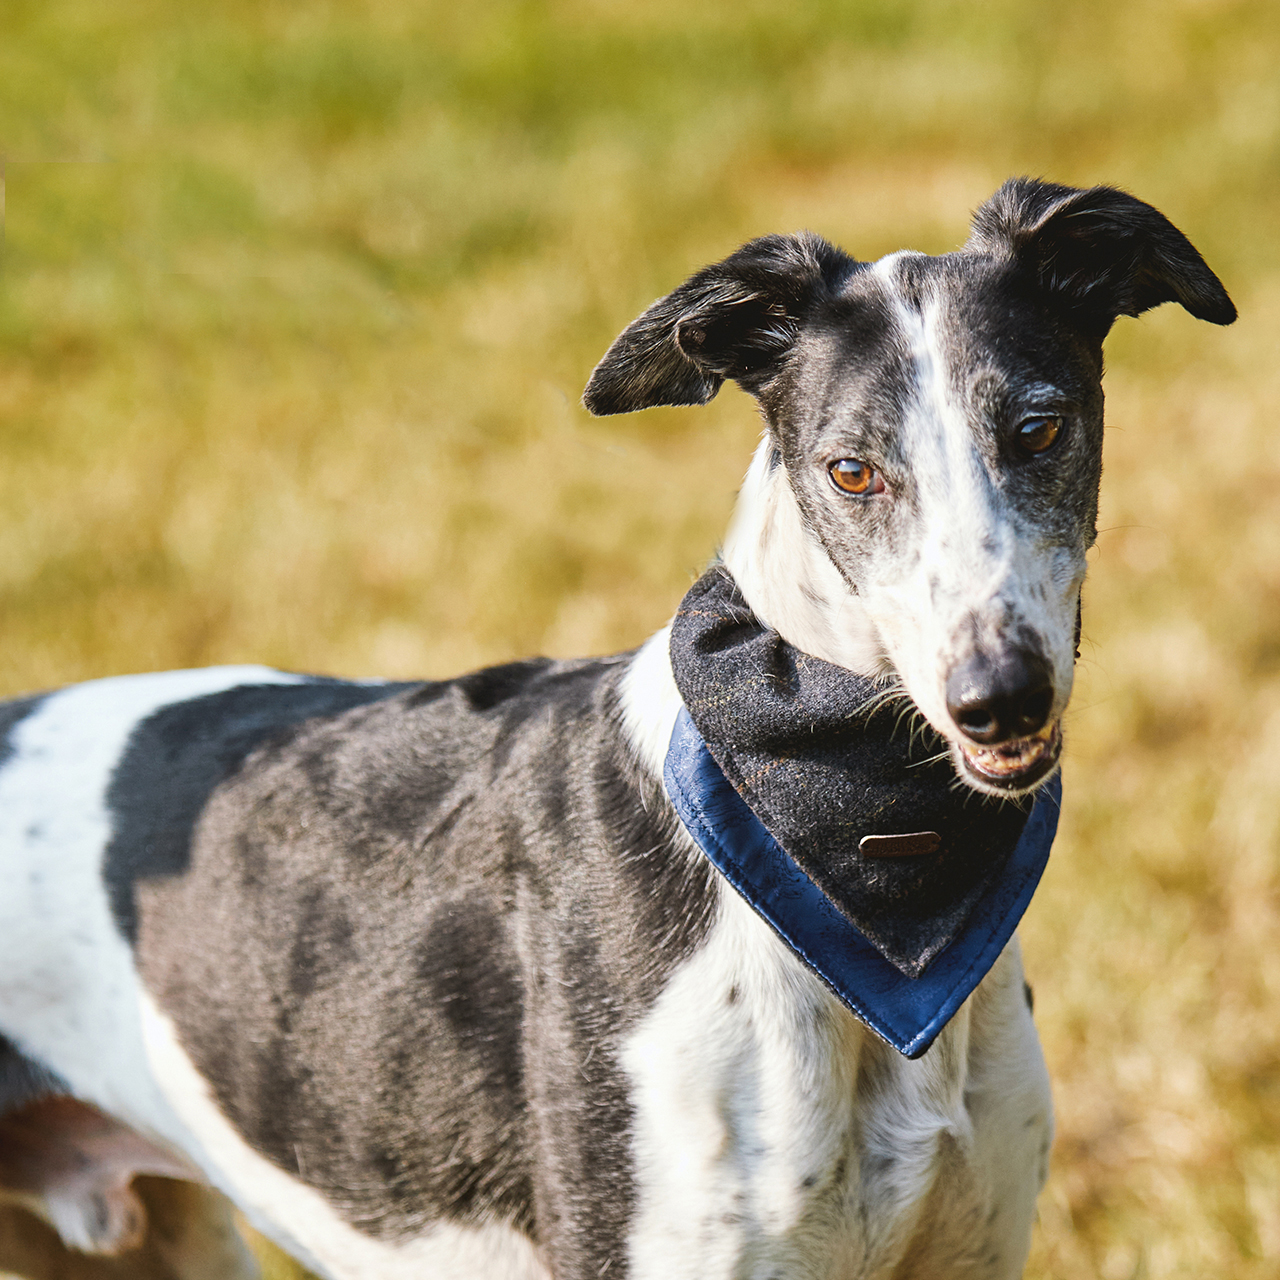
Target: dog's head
{"x": 935, "y": 425}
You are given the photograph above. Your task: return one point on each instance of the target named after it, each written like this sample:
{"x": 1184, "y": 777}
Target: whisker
{"x": 920, "y": 764}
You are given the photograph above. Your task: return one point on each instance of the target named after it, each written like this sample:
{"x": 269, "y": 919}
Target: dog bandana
{"x": 850, "y": 836}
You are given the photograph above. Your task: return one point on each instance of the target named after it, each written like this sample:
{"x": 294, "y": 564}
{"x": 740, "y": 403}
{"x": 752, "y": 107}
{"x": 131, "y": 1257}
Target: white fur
{"x": 650, "y": 701}
{"x": 788, "y": 579}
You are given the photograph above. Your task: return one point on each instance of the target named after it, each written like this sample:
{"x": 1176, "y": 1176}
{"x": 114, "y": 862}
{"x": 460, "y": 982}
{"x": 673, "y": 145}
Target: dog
{"x": 429, "y": 979}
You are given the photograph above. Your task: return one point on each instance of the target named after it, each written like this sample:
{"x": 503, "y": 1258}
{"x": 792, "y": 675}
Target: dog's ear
{"x": 1101, "y": 252}
{"x": 737, "y": 319}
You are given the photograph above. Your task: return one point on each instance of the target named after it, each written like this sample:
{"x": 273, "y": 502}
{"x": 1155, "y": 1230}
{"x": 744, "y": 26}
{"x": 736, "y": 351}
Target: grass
{"x": 298, "y": 301}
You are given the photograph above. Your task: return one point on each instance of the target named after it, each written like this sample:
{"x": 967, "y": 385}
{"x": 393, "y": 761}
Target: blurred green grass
{"x": 299, "y": 298}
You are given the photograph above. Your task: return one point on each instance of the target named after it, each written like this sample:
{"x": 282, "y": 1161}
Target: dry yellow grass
{"x": 298, "y": 301}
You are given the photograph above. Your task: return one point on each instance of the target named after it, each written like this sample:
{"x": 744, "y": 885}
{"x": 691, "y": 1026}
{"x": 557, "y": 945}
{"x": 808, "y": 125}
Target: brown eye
{"x": 851, "y": 476}
{"x": 1036, "y": 435}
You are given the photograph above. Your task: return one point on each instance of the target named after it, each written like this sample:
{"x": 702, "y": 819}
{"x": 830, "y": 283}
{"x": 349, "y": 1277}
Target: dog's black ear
{"x": 1101, "y": 252}
{"x": 736, "y": 319}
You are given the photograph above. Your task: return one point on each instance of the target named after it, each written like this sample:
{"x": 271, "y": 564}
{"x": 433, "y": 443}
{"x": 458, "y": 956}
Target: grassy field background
{"x": 298, "y": 301}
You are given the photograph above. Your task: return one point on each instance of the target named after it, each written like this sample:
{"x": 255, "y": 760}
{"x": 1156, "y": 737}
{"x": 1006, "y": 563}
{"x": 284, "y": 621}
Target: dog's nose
{"x": 995, "y": 699}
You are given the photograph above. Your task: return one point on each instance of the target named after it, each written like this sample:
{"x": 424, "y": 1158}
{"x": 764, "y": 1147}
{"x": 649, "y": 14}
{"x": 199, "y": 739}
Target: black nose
{"x": 995, "y": 699}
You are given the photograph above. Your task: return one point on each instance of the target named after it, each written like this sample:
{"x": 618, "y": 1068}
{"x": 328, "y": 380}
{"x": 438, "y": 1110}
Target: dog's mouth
{"x": 1016, "y": 765}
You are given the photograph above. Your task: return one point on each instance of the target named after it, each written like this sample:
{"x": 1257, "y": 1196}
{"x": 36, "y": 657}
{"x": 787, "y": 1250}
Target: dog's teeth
{"x": 1011, "y": 758}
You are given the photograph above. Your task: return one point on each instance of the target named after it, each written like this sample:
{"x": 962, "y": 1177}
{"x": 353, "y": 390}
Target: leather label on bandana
{"x": 912, "y": 845}
{"x": 862, "y": 800}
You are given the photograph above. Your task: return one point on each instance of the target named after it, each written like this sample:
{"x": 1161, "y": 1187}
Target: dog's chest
{"x": 774, "y": 1136}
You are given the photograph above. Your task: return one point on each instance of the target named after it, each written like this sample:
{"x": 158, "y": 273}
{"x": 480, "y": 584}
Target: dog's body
{"x": 430, "y": 980}
{"x": 546, "y": 1019}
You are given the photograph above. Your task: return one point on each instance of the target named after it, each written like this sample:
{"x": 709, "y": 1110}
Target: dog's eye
{"x": 1036, "y": 435}
{"x": 851, "y": 476}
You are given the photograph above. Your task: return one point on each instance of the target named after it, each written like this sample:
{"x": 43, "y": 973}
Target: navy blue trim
{"x": 906, "y": 1012}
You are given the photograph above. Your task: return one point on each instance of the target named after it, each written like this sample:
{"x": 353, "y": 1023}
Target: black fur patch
{"x": 23, "y": 1080}
{"x": 737, "y": 319}
{"x": 1100, "y": 253}
{"x": 176, "y": 757}
{"x": 12, "y": 714}
{"x": 410, "y": 938}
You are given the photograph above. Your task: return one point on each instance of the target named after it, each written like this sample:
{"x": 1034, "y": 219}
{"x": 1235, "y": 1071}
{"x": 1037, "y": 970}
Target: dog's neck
{"x": 788, "y": 579}
{"x": 791, "y": 585}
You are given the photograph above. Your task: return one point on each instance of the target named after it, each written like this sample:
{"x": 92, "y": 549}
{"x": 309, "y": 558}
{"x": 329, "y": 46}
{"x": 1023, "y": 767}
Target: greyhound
{"x": 430, "y": 980}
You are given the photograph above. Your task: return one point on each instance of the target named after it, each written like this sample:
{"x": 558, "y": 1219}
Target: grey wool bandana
{"x": 830, "y": 772}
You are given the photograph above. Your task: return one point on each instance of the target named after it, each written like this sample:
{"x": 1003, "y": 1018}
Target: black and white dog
{"x": 431, "y": 981}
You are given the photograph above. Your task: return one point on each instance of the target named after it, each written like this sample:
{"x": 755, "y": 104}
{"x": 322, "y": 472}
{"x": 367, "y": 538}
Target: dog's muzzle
{"x": 1002, "y": 707}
